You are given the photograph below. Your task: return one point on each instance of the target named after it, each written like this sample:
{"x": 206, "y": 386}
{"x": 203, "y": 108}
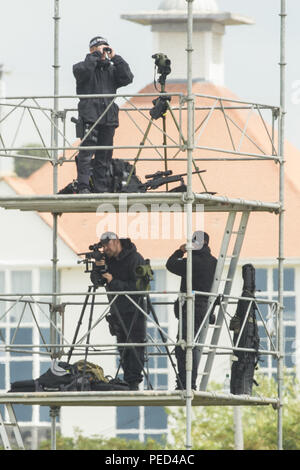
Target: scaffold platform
{"x": 133, "y": 398}
{"x": 74, "y": 203}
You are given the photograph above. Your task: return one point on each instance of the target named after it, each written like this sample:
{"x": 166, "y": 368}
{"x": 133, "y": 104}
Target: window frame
{"x": 39, "y": 362}
{"x": 270, "y": 368}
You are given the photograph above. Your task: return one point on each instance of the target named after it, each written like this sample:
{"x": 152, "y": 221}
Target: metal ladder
{"x": 12, "y": 424}
{"x": 234, "y": 257}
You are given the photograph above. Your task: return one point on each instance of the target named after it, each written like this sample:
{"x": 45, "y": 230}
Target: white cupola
{"x": 169, "y": 27}
{"x": 206, "y": 6}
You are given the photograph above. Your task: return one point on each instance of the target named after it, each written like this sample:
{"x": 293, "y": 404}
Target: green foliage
{"x": 212, "y": 427}
{"x": 24, "y": 167}
{"x": 264, "y": 423}
{"x": 79, "y": 442}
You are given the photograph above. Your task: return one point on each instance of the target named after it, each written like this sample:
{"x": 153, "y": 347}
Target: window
{"x": 2, "y": 377}
{"x": 44, "y": 411}
{"x": 155, "y": 417}
{"x": 20, "y": 336}
{"x": 261, "y": 280}
{"x": 2, "y": 310}
{"x": 128, "y": 417}
{"x": 21, "y": 370}
{"x": 17, "y": 326}
{"x": 266, "y": 283}
{"x": 155, "y": 359}
{"x": 2, "y": 290}
{"x": 129, "y": 437}
{"x": 150, "y": 422}
{"x": 21, "y": 283}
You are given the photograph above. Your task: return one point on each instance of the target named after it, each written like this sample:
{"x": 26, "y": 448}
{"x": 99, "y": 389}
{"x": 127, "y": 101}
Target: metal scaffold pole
{"x": 189, "y": 208}
{"x": 54, "y": 144}
{"x": 283, "y": 15}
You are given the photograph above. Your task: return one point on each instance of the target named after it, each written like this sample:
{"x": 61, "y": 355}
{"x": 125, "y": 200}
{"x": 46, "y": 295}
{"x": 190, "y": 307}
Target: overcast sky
{"x": 251, "y": 52}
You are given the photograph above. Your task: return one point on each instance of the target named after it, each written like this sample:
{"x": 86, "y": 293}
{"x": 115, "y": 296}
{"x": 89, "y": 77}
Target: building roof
{"x": 170, "y": 11}
{"x": 21, "y": 187}
{"x": 152, "y": 17}
{"x": 242, "y": 179}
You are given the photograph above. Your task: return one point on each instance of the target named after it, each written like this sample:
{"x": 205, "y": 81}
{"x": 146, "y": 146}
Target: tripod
{"x": 91, "y": 290}
{"x": 160, "y": 109}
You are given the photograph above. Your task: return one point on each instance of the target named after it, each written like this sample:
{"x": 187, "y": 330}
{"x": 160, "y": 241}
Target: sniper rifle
{"x": 160, "y": 178}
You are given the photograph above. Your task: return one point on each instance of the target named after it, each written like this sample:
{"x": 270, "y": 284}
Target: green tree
{"x": 24, "y": 167}
{"x": 79, "y": 442}
{"x": 212, "y": 427}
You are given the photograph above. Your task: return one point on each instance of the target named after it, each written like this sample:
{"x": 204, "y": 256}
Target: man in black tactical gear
{"x": 126, "y": 321}
{"x": 203, "y": 269}
{"x": 102, "y": 72}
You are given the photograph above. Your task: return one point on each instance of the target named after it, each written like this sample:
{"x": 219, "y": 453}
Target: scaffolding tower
{"x": 237, "y": 209}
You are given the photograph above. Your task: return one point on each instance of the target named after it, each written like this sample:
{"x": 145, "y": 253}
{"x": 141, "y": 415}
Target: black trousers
{"x": 102, "y": 162}
{"x": 180, "y": 353}
{"x": 132, "y": 329}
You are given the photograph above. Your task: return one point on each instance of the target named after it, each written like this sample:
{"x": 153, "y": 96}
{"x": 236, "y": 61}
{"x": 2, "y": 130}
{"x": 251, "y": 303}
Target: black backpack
{"x": 65, "y": 377}
{"x": 120, "y": 173}
{"x": 71, "y": 188}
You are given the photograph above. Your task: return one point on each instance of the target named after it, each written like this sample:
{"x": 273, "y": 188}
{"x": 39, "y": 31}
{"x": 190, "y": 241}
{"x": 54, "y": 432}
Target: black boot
{"x": 133, "y": 385}
{"x": 84, "y": 191}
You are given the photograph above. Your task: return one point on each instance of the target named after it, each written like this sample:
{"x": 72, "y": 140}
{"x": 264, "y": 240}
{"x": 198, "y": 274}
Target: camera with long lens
{"x": 163, "y": 65}
{"x": 161, "y": 104}
{"x": 96, "y": 275}
{"x": 96, "y": 271}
